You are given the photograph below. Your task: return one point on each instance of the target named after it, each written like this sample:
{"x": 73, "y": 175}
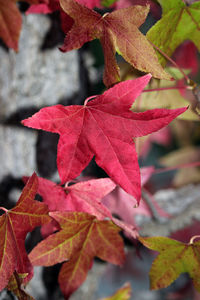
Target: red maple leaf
{"x": 14, "y": 226}
{"x": 103, "y": 127}
{"x": 118, "y": 32}
{"x": 81, "y": 197}
{"x": 81, "y": 238}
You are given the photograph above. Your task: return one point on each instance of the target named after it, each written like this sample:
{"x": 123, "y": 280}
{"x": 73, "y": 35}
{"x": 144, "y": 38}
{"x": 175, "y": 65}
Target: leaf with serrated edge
{"x": 170, "y": 31}
{"x": 81, "y": 197}
{"x": 174, "y": 259}
{"x": 103, "y": 127}
{"x": 118, "y": 32}
{"x": 81, "y": 238}
{"x": 14, "y": 225}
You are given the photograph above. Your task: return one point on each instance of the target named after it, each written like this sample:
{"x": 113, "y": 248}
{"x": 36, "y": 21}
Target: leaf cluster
{"x": 77, "y": 223}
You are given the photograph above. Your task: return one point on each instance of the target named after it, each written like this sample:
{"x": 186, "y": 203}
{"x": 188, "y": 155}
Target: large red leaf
{"x": 14, "y": 225}
{"x": 81, "y": 238}
{"x": 104, "y": 127}
{"x": 117, "y": 31}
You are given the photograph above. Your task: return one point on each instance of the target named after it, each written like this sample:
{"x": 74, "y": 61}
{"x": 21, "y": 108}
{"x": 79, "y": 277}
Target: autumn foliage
{"x": 78, "y": 222}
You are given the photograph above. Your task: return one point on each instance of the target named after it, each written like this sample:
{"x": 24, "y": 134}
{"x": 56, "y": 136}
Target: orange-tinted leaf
{"x": 81, "y": 238}
{"x": 15, "y": 285}
{"x": 14, "y": 225}
{"x": 174, "y": 258}
{"x": 117, "y": 32}
{"x": 124, "y": 293}
{"x": 10, "y": 23}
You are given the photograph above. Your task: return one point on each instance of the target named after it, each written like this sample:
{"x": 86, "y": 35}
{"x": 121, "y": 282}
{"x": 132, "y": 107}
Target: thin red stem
{"x": 67, "y": 183}
{"x": 86, "y": 100}
{"x": 3, "y": 208}
{"x": 166, "y": 88}
{"x": 182, "y": 166}
{"x": 173, "y": 62}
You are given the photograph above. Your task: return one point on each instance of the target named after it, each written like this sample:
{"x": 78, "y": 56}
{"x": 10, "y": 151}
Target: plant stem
{"x": 193, "y": 238}
{"x": 147, "y": 198}
{"x": 3, "y": 208}
{"x": 166, "y": 88}
{"x": 89, "y": 98}
{"x": 187, "y": 165}
{"x": 188, "y": 80}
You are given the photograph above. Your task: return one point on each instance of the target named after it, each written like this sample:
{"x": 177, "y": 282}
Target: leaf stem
{"x": 188, "y": 80}
{"x": 3, "y": 208}
{"x": 187, "y": 165}
{"x": 167, "y": 88}
{"x": 147, "y": 198}
{"x": 86, "y": 100}
{"x": 193, "y": 238}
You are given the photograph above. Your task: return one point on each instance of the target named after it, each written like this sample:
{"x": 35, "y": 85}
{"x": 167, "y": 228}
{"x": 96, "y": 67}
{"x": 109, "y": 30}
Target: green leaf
{"x": 179, "y": 22}
{"x": 174, "y": 259}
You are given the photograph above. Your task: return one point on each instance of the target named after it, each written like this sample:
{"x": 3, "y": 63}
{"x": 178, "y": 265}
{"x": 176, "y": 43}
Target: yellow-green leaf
{"x": 179, "y": 22}
{"x": 174, "y": 259}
